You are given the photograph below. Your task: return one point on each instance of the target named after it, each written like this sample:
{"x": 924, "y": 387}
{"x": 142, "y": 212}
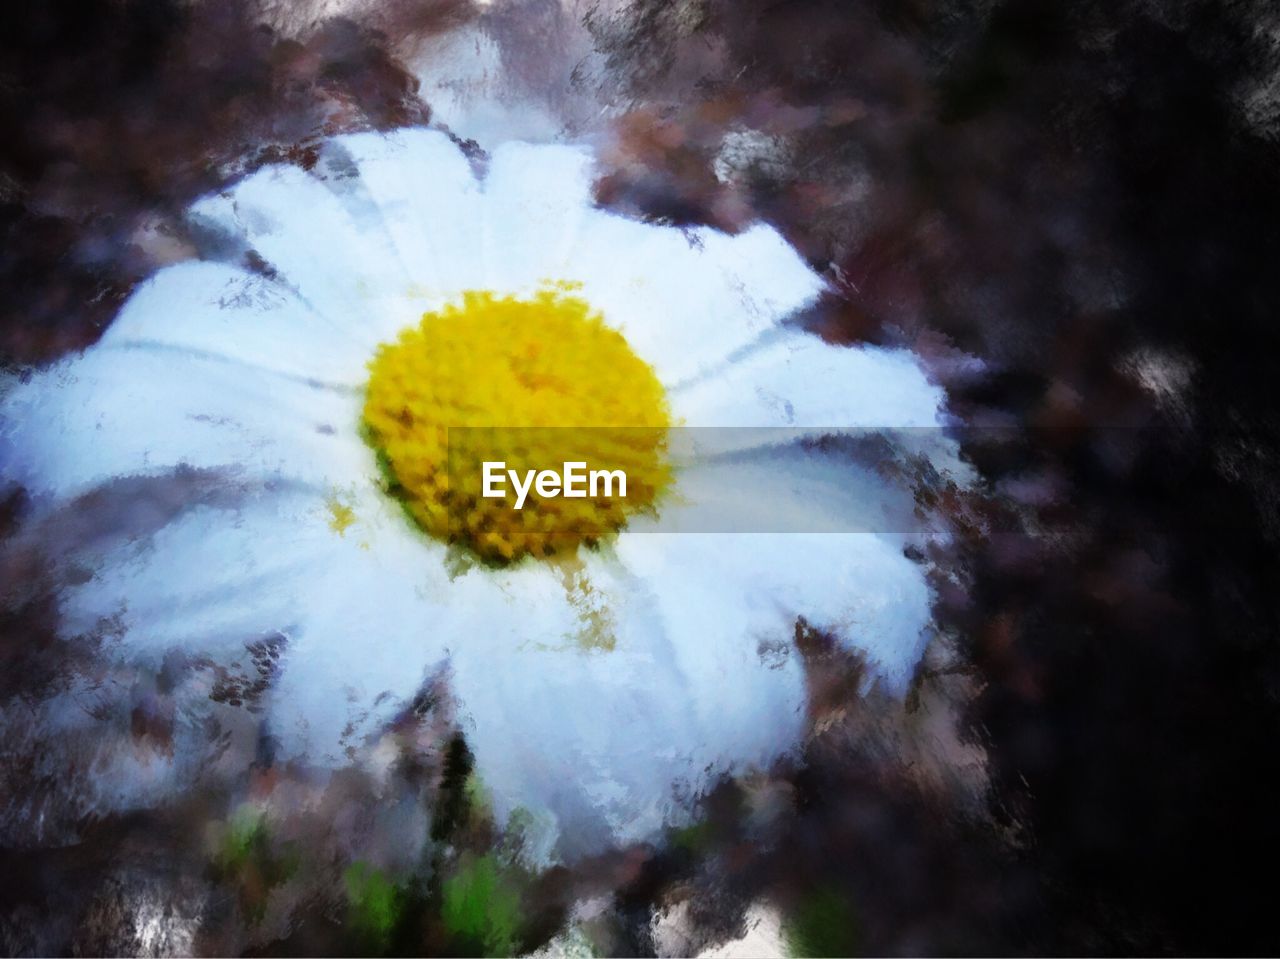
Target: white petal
{"x": 212, "y": 308}
{"x": 123, "y": 411}
{"x": 778, "y": 489}
{"x": 687, "y": 300}
{"x": 787, "y": 532}
{"x": 536, "y": 198}
{"x": 532, "y": 705}
{"x": 797, "y": 382}
{"x": 377, "y": 623}
{"x": 212, "y": 578}
{"x": 721, "y": 664}
{"x": 858, "y": 586}
{"x": 346, "y": 270}
{"x": 595, "y": 708}
{"x": 366, "y": 613}
{"x": 431, "y": 207}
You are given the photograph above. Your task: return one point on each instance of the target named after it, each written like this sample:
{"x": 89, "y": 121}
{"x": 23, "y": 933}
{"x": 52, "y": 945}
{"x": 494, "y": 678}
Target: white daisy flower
{"x": 600, "y": 689}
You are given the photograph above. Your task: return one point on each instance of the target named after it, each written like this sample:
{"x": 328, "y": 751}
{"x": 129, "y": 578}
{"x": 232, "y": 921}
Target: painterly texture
{"x": 1063, "y": 216}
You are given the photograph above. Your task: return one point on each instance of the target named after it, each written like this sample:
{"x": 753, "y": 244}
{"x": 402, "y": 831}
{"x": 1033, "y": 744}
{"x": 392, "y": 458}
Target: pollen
{"x": 533, "y": 383}
{"x": 341, "y": 516}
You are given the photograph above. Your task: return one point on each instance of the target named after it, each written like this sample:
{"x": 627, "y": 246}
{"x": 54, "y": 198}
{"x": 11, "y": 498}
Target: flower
{"x": 600, "y": 689}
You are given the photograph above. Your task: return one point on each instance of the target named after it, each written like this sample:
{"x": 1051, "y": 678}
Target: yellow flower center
{"x": 532, "y": 384}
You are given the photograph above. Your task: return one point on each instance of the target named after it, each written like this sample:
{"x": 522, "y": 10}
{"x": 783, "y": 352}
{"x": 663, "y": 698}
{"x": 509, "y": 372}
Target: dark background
{"x": 1057, "y": 188}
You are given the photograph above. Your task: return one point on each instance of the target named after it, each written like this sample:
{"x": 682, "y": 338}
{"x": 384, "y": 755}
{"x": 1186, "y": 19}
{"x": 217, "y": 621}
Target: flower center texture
{"x": 509, "y": 387}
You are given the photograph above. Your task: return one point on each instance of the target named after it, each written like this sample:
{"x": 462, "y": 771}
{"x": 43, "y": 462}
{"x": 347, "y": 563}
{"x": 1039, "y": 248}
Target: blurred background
{"x": 1071, "y": 212}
